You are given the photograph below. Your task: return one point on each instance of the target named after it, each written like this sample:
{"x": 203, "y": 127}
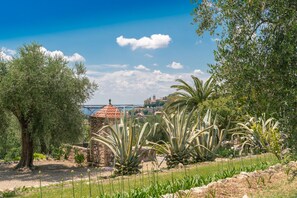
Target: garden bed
{"x": 276, "y": 181}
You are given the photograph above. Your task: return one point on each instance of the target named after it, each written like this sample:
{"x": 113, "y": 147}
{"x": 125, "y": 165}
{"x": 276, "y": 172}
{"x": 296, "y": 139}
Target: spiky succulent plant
{"x": 120, "y": 138}
{"x": 180, "y": 135}
{"x": 209, "y": 139}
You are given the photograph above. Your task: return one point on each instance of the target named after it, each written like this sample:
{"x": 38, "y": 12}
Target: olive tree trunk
{"x": 26, "y": 160}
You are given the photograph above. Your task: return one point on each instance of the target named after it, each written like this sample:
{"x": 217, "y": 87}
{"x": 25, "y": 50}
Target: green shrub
{"x": 39, "y": 156}
{"x": 260, "y": 135}
{"x": 12, "y": 155}
{"x": 57, "y": 152}
{"x": 67, "y": 149}
{"x": 78, "y": 157}
{"x": 226, "y": 152}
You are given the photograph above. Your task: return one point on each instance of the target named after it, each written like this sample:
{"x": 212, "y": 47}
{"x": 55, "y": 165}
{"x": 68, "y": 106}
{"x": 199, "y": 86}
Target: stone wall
{"x": 101, "y": 155}
{"x": 81, "y": 150}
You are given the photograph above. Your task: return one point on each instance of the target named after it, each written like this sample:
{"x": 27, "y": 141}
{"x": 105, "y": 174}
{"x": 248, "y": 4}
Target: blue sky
{"x": 132, "y": 49}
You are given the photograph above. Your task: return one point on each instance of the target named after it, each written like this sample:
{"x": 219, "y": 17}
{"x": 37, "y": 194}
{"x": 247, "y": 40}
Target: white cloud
{"x": 57, "y": 53}
{"x": 92, "y": 73}
{"x": 6, "y": 54}
{"x": 155, "y": 64}
{"x": 155, "y": 41}
{"x": 175, "y": 65}
{"x": 148, "y": 55}
{"x": 215, "y": 39}
{"x": 141, "y": 67}
{"x": 8, "y": 51}
{"x": 75, "y": 58}
{"x": 133, "y": 86}
{"x": 113, "y": 66}
{"x": 157, "y": 72}
{"x": 198, "y": 71}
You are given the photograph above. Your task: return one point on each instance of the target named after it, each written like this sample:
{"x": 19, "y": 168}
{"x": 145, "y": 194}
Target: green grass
{"x": 142, "y": 181}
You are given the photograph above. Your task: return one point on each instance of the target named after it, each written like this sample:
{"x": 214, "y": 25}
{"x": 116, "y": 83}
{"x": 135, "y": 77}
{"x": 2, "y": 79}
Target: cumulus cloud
{"x": 133, "y": 86}
{"x": 112, "y": 66}
{"x": 175, "y": 65}
{"x": 198, "y": 71}
{"x": 6, "y": 54}
{"x": 141, "y": 67}
{"x": 157, "y": 72}
{"x": 155, "y": 41}
{"x": 75, "y": 58}
{"x": 57, "y": 53}
{"x": 8, "y": 51}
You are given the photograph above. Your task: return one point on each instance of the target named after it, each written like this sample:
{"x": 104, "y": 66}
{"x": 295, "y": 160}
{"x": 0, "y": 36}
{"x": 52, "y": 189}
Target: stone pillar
{"x": 96, "y": 124}
{"x": 100, "y": 155}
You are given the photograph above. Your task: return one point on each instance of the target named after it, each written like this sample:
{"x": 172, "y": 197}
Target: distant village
{"x": 155, "y": 102}
{"x": 151, "y": 106}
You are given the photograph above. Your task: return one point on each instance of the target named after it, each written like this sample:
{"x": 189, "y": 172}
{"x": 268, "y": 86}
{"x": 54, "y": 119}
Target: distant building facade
{"x": 154, "y": 102}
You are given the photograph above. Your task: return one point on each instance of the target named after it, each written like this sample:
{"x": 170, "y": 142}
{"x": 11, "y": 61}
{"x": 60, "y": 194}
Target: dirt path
{"x": 52, "y": 172}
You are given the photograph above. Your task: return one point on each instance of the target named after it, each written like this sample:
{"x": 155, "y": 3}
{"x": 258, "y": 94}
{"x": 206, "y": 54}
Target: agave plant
{"x": 260, "y": 135}
{"x": 209, "y": 139}
{"x": 180, "y": 135}
{"x": 119, "y": 138}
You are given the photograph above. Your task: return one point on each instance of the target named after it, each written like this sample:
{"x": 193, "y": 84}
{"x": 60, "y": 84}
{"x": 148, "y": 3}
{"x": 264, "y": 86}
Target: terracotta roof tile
{"x": 109, "y": 111}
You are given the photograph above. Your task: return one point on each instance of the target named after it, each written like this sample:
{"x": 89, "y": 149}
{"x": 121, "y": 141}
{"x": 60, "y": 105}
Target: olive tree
{"x": 44, "y": 94}
{"x": 256, "y": 56}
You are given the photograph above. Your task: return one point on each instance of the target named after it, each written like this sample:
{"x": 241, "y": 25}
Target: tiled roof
{"x": 109, "y": 111}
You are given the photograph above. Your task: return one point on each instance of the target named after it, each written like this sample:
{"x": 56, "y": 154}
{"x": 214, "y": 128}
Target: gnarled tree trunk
{"x": 26, "y": 160}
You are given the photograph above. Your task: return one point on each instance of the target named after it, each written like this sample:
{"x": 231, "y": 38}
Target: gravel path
{"x": 52, "y": 172}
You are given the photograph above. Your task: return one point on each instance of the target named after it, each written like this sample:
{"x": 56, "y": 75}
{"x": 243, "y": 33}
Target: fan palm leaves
{"x": 191, "y": 96}
{"x": 119, "y": 138}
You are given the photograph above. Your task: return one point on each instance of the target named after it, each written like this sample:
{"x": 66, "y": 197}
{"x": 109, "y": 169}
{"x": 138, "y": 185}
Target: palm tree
{"x": 191, "y": 97}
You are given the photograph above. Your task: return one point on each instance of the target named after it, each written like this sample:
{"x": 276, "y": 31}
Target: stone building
{"x": 100, "y": 154}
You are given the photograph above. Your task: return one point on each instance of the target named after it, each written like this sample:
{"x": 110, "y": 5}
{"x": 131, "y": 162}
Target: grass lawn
{"x": 124, "y": 184}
